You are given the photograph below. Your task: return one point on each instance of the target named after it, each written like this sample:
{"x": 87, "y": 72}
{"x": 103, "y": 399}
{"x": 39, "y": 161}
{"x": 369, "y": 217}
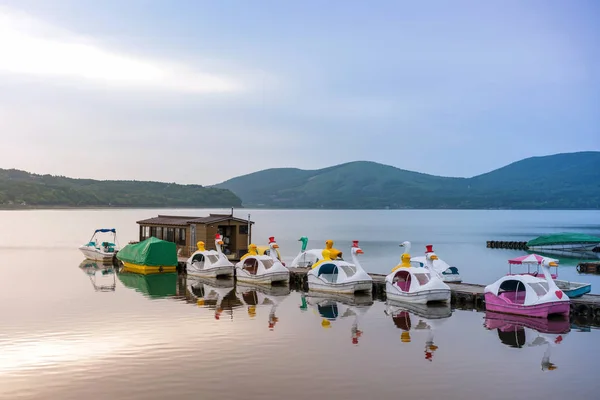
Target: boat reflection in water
{"x": 331, "y": 306}
{"x": 102, "y": 275}
{"x": 210, "y": 292}
{"x": 419, "y": 317}
{"x": 519, "y": 331}
{"x": 153, "y": 286}
{"x": 257, "y": 295}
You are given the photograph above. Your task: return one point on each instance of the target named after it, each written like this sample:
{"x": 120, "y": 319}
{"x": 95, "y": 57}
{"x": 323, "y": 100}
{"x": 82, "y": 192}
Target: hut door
{"x": 192, "y": 235}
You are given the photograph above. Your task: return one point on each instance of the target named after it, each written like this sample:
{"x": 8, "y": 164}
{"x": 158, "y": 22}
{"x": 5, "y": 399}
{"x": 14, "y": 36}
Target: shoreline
{"x": 64, "y": 207}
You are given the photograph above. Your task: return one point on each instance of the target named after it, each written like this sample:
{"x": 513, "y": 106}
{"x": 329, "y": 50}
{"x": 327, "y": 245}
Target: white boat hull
{"x": 319, "y": 285}
{"x": 420, "y": 297}
{"x": 572, "y": 247}
{"x": 210, "y": 272}
{"x": 95, "y": 254}
{"x": 243, "y": 276}
{"x": 454, "y": 278}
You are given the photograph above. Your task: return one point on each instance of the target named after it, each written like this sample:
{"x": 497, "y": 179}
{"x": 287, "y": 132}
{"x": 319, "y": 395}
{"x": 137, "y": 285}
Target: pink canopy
{"x": 530, "y": 259}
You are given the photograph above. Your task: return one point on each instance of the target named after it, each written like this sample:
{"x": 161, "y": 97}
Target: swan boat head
{"x": 252, "y": 251}
{"x": 218, "y": 243}
{"x": 429, "y": 253}
{"x": 304, "y": 241}
{"x": 333, "y": 253}
{"x": 406, "y": 246}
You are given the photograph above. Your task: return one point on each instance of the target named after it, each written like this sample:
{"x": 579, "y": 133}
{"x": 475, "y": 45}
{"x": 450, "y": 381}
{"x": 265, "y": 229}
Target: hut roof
{"x": 177, "y": 220}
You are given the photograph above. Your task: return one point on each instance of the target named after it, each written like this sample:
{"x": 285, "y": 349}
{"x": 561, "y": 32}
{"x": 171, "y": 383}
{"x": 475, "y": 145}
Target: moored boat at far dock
{"x": 572, "y": 242}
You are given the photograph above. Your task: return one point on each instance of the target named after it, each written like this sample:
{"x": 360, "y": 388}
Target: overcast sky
{"x": 202, "y": 91}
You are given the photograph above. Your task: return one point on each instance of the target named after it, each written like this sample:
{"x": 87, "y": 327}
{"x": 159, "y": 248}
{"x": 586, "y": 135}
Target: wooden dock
{"x": 464, "y": 295}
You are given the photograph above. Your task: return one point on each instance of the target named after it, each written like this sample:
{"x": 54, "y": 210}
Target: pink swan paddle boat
{"x": 526, "y": 294}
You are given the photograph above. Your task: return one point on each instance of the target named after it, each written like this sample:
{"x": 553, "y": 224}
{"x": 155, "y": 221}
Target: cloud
{"x": 31, "y": 47}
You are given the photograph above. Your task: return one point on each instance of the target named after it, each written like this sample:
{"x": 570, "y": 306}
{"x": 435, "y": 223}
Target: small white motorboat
{"x": 253, "y": 296}
{"x": 415, "y": 284}
{"x": 100, "y": 251}
{"x": 440, "y": 267}
{"x": 263, "y": 269}
{"x": 338, "y": 276}
{"x": 209, "y": 292}
{"x": 331, "y": 306}
{"x": 209, "y": 263}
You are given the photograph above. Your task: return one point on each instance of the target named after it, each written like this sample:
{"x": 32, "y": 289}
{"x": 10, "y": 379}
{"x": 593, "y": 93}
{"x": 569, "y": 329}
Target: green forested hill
{"x": 562, "y": 181}
{"x": 21, "y": 189}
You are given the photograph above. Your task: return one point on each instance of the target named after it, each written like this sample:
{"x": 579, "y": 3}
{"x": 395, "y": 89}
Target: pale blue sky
{"x": 201, "y": 91}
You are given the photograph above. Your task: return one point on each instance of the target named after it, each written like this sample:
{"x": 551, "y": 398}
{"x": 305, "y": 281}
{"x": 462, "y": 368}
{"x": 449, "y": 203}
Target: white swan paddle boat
{"x": 527, "y": 295}
{"x": 445, "y": 271}
{"x": 338, "y": 276}
{"x": 418, "y": 318}
{"x": 331, "y": 306}
{"x": 253, "y": 296}
{"x": 209, "y": 263}
{"x": 412, "y": 284}
{"x": 571, "y": 289}
{"x": 263, "y": 269}
{"x": 103, "y": 251}
{"x": 207, "y": 292}
{"x": 307, "y": 258}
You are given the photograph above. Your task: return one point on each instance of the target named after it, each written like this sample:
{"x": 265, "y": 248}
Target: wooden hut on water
{"x": 185, "y": 232}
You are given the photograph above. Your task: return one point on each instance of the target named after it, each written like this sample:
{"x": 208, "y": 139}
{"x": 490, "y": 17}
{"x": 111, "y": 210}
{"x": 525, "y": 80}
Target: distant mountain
{"x": 19, "y": 189}
{"x": 561, "y": 181}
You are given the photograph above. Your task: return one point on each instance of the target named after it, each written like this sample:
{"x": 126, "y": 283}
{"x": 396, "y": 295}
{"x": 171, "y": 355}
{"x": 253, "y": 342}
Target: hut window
{"x": 159, "y": 232}
{"x": 170, "y": 234}
{"x": 180, "y": 236}
{"x": 153, "y": 231}
{"x": 243, "y": 229}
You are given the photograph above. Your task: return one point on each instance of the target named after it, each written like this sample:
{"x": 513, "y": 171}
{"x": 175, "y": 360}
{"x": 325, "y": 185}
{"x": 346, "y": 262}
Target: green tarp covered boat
{"x": 150, "y": 256}
{"x": 566, "y": 241}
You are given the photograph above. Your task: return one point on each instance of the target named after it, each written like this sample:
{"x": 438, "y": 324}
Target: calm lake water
{"x": 172, "y": 337}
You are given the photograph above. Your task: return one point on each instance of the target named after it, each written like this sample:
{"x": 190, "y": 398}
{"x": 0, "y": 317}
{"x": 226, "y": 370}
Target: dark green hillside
{"x": 562, "y": 181}
{"x": 22, "y": 189}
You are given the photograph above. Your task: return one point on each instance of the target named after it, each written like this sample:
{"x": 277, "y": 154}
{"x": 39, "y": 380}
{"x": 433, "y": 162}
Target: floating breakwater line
{"x": 512, "y": 245}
